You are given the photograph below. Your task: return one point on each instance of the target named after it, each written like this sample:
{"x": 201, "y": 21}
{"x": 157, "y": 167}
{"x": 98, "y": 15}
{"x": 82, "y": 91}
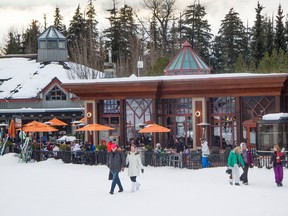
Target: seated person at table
{"x": 76, "y": 147}
{"x": 158, "y": 148}
{"x": 91, "y": 147}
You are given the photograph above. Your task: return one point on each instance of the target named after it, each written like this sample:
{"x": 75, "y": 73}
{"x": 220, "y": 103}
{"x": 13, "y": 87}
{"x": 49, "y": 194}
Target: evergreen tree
{"x": 240, "y": 65}
{"x": 58, "y": 24}
{"x": 258, "y": 36}
{"x": 158, "y": 68}
{"x": 113, "y": 32}
{"x": 233, "y": 40}
{"x": 197, "y": 30}
{"x": 128, "y": 30}
{"x": 280, "y": 40}
{"x": 77, "y": 46}
{"x": 123, "y": 39}
{"x": 173, "y": 38}
{"x": 77, "y": 27}
{"x": 91, "y": 37}
{"x": 30, "y": 38}
{"x": 216, "y": 57}
{"x": 269, "y": 37}
{"x": 13, "y": 45}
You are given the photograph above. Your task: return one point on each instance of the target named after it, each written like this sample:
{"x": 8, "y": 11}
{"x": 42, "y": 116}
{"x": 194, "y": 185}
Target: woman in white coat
{"x": 133, "y": 161}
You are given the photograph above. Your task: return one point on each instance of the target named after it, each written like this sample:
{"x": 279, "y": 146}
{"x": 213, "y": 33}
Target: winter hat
{"x": 113, "y": 146}
{"x": 243, "y": 144}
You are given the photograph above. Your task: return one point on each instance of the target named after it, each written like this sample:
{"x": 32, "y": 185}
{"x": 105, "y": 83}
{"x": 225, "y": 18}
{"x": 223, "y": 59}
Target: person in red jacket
{"x": 110, "y": 143}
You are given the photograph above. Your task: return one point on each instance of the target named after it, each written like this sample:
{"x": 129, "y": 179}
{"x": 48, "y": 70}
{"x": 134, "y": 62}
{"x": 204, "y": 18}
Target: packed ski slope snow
{"x": 54, "y": 188}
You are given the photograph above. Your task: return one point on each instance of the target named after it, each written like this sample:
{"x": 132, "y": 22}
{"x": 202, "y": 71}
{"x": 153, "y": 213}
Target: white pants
{"x": 235, "y": 174}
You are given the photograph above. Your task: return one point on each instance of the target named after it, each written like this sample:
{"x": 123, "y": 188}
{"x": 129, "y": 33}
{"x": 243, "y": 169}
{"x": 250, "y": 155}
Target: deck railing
{"x": 180, "y": 160}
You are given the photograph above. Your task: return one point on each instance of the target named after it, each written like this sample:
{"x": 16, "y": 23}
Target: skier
{"x": 133, "y": 161}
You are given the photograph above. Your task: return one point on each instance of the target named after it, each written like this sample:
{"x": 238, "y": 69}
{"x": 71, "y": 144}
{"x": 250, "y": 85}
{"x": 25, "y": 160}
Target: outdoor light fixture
{"x": 197, "y": 113}
{"x": 89, "y": 114}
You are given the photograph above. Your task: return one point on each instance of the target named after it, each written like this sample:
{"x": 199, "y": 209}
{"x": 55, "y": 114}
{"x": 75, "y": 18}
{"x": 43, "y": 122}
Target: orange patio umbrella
{"x": 35, "y": 126}
{"x": 152, "y": 128}
{"x": 57, "y": 122}
{"x": 11, "y": 129}
{"x": 34, "y": 123}
{"x": 39, "y": 129}
{"x": 95, "y": 127}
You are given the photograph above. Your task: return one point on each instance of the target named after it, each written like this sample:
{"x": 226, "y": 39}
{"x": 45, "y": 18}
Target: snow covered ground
{"x": 54, "y": 188}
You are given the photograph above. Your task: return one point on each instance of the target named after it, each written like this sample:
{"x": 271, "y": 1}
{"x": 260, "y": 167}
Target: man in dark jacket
{"x": 116, "y": 163}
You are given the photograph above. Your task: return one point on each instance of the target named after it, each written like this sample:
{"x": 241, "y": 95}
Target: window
{"x": 56, "y": 94}
{"x": 42, "y": 45}
{"x": 62, "y": 44}
{"x": 52, "y": 44}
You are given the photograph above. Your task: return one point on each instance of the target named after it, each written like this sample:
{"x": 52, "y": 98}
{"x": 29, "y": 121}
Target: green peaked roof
{"x": 186, "y": 62}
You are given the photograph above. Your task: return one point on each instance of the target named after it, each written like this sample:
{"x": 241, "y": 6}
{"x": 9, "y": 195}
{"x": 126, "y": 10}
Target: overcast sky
{"x": 18, "y": 14}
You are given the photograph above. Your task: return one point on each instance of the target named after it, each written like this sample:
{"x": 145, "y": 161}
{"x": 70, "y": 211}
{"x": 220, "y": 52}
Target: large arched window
{"x": 56, "y": 94}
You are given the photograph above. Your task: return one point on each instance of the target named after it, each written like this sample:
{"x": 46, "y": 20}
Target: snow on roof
{"x": 275, "y": 116}
{"x": 24, "y": 78}
{"x": 175, "y": 77}
{"x": 41, "y": 110}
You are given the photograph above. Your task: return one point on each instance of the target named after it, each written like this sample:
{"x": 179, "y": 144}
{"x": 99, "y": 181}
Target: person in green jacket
{"x": 235, "y": 160}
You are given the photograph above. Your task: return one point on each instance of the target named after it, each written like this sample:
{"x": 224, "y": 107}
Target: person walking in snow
{"x": 247, "y": 158}
{"x": 276, "y": 160}
{"x": 234, "y": 161}
{"x": 116, "y": 163}
{"x": 133, "y": 161}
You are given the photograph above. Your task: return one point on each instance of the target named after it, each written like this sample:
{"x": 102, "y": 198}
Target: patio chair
{"x": 176, "y": 160}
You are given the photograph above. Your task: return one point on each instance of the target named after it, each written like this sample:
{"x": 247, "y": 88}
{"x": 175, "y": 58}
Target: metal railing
{"x": 181, "y": 160}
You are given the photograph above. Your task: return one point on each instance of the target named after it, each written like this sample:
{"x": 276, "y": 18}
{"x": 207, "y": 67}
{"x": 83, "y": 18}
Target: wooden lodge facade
{"x": 223, "y": 108}
{"x": 230, "y": 103}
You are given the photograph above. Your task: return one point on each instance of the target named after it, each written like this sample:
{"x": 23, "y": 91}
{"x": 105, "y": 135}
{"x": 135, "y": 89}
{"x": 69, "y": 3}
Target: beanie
{"x": 243, "y": 144}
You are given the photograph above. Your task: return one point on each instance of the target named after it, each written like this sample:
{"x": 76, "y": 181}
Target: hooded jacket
{"x": 134, "y": 163}
{"x": 234, "y": 158}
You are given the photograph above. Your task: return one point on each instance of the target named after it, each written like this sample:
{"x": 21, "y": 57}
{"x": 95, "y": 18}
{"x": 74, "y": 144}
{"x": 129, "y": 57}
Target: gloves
{"x": 142, "y": 170}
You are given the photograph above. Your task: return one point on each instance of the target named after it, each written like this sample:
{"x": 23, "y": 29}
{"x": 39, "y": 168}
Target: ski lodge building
{"x": 31, "y": 85}
{"x": 223, "y": 108}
